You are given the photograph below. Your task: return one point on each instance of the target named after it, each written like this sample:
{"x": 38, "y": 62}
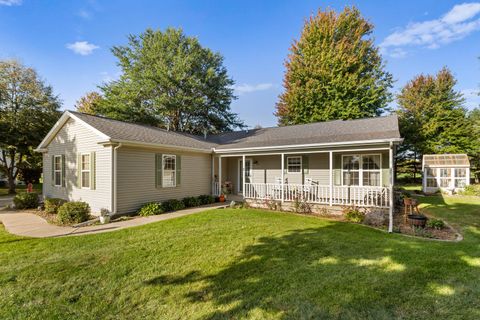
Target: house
{"x": 446, "y": 172}
{"x": 120, "y": 166}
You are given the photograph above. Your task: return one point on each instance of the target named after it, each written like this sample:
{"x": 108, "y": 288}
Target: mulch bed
{"x": 447, "y": 233}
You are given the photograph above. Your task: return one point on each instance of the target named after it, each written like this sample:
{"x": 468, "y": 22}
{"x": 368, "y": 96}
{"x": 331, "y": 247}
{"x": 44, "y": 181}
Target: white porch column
{"x": 213, "y": 175}
{"x": 330, "y": 156}
{"x": 390, "y": 209}
{"x": 243, "y": 176}
{"x": 283, "y": 176}
{"x": 467, "y": 173}
{"x": 220, "y": 175}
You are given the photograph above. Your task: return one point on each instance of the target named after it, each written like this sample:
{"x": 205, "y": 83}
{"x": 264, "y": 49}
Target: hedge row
{"x": 154, "y": 208}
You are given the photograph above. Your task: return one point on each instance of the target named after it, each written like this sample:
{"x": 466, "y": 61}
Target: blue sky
{"x": 69, "y": 42}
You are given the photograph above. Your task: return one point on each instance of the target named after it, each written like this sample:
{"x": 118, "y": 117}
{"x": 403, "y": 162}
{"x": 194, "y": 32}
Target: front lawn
{"x": 246, "y": 264}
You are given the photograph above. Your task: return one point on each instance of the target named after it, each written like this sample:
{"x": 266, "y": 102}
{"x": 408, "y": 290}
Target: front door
{"x": 248, "y": 173}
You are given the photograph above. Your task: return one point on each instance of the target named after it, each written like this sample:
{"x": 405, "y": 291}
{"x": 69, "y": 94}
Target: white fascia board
{"x": 156, "y": 146}
{"x": 309, "y": 146}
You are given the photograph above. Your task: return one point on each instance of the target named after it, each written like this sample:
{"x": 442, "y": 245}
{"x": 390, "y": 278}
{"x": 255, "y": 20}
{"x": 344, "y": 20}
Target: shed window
{"x": 85, "y": 170}
{"x": 460, "y": 177}
{"x": 169, "y": 170}
{"x": 57, "y": 170}
{"x": 445, "y": 177}
{"x": 294, "y": 164}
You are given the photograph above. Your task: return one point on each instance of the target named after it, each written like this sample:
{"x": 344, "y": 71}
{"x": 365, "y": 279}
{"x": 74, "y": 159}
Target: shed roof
{"x": 445, "y": 160}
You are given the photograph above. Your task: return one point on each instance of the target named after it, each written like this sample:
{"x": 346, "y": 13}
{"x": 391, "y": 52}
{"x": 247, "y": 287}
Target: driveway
{"x": 32, "y": 225}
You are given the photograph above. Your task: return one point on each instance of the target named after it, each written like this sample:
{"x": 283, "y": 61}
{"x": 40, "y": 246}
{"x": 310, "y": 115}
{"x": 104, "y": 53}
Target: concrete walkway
{"x": 32, "y": 225}
{"x": 5, "y": 201}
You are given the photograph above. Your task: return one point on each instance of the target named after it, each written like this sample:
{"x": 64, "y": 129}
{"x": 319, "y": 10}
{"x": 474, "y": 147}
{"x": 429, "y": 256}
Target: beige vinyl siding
{"x": 73, "y": 139}
{"x": 136, "y": 177}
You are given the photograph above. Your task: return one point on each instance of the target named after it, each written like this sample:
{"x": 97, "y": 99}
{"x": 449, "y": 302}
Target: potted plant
{"x": 104, "y": 216}
{"x": 221, "y": 198}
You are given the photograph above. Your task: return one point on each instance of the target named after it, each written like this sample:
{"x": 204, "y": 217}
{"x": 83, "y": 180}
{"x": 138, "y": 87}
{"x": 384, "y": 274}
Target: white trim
{"x": 240, "y": 171}
{"x": 283, "y": 176}
{"x": 154, "y": 145}
{"x": 163, "y": 168}
{"x": 390, "y": 209}
{"x": 301, "y": 165}
{"x": 361, "y": 170}
{"x": 220, "y": 174}
{"x": 55, "y": 171}
{"x": 311, "y": 145}
{"x": 88, "y": 170}
{"x": 330, "y": 170}
{"x": 42, "y": 147}
{"x": 305, "y": 152}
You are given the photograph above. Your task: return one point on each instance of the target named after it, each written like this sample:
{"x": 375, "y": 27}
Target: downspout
{"x": 114, "y": 178}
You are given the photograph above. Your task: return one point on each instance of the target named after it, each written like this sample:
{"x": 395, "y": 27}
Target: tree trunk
{"x": 11, "y": 183}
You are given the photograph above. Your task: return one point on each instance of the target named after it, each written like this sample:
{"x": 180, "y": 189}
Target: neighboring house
{"x": 121, "y": 166}
{"x": 447, "y": 172}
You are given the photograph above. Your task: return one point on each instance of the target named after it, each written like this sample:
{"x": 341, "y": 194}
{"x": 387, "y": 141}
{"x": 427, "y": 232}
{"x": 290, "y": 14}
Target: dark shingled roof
{"x": 319, "y": 132}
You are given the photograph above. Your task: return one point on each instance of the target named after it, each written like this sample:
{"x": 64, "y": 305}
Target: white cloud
{"x": 247, "y": 88}
{"x": 82, "y": 47}
{"x": 10, "y": 2}
{"x": 84, "y": 14}
{"x": 456, "y": 24}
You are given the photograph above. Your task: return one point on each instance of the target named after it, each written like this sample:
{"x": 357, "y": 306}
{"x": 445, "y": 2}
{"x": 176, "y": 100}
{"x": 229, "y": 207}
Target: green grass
{"x": 37, "y": 187}
{"x": 246, "y": 264}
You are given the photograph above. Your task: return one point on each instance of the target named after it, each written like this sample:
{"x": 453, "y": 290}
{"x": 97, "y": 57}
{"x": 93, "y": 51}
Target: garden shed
{"x": 447, "y": 172}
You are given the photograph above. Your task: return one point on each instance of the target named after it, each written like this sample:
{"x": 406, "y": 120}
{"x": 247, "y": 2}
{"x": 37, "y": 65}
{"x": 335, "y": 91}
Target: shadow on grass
{"x": 336, "y": 271}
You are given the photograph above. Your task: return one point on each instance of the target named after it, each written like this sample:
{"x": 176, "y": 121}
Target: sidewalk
{"x": 31, "y": 225}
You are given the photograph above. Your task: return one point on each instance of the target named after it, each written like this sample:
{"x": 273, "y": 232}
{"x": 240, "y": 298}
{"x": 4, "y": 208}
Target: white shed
{"x": 448, "y": 172}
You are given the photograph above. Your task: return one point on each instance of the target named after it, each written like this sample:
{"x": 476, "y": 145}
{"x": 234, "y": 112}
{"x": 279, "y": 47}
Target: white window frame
{"x": 360, "y": 168}
{"x": 301, "y": 165}
{"x": 456, "y": 178}
{"x": 430, "y": 177}
{"x": 82, "y": 171}
{"x": 59, "y": 170}
{"x": 163, "y": 171}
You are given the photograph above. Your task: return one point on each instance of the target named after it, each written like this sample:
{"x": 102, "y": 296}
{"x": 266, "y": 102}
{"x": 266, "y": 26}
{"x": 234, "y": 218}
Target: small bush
{"x": 73, "y": 212}
{"x": 26, "y": 200}
{"x": 191, "y": 202}
{"x": 354, "y": 215}
{"x": 206, "y": 199}
{"x": 435, "y": 224}
{"x": 471, "y": 190}
{"x": 151, "y": 209}
{"x": 172, "y": 205}
{"x": 52, "y": 204}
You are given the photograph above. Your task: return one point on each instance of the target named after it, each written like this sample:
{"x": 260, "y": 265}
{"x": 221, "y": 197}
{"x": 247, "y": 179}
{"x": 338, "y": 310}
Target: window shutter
{"x": 178, "y": 168}
{"x": 53, "y": 170}
{"x": 63, "y": 170}
{"x": 305, "y": 164}
{"x": 158, "y": 170}
{"x": 79, "y": 171}
{"x": 93, "y": 161}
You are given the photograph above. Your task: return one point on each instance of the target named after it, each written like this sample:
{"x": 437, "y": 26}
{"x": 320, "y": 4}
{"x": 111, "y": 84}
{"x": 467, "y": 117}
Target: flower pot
{"x": 417, "y": 220}
{"x": 221, "y": 198}
{"x": 104, "y": 219}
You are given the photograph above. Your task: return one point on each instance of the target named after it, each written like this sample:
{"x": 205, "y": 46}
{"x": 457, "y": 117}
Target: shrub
{"x": 26, "y": 200}
{"x": 191, "y": 202}
{"x": 52, "y": 204}
{"x": 151, "y": 209}
{"x": 206, "y": 199}
{"x": 435, "y": 224}
{"x": 73, "y": 212}
{"x": 172, "y": 205}
{"x": 471, "y": 190}
{"x": 354, "y": 215}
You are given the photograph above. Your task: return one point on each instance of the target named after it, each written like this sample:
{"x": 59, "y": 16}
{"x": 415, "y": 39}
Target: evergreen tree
{"x": 334, "y": 71}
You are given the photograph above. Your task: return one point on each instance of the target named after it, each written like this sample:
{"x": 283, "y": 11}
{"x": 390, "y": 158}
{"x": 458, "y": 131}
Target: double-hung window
{"x": 169, "y": 172}
{"x": 85, "y": 170}
{"x": 294, "y": 164}
{"x": 361, "y": 170}
{"x": 57, "y": 170}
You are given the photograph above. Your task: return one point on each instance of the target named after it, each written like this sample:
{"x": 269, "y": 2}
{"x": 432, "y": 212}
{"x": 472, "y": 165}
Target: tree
{"x": 89, "y": 102}
{"x": 169, "y": 80}
{"x": 432, "y": 117}
{"x": 334, "y": 71}
{"x": 28, "y": 109}
{"x": 474, "y": 117}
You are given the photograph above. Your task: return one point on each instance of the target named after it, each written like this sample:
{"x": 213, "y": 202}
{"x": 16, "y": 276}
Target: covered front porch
{"x": 349, "y": 177}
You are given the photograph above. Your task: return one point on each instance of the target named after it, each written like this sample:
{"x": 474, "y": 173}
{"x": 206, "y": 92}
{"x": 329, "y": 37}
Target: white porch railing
{"x": 216, "y": 189}
{"x": 341, "y": 195}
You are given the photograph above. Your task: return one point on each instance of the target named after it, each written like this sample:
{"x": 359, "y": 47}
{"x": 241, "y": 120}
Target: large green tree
{"x": 334, "y": 71}
{"x": 474, "y": 117}
{"x": 169, "y": 80}
{"x": 432, "y": 117}
{"x": 89, "y": 102}
{"x": 28, "y": 109}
